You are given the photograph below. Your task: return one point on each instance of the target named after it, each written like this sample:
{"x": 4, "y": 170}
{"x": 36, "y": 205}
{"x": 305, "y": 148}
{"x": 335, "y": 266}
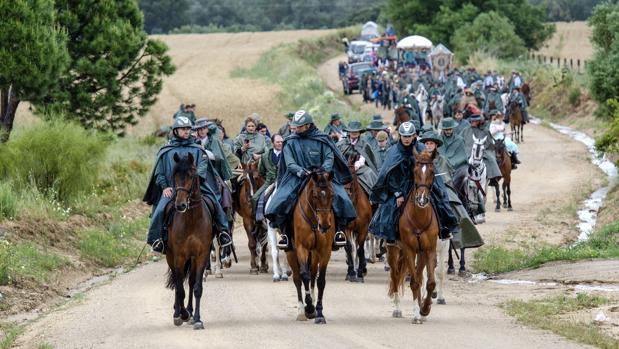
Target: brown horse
{"x": 248, "y": 183}
{"x": 526, "y": 91}
{"x": 313, "y": 224}
{"x": 357, "y": 230}
{"x": 516, "y": 121}
{"x": 189, "y": 242}
{"x": 505, "y": 164}
{"x": 400, "y": 115}
{"x": 416, "y": 249}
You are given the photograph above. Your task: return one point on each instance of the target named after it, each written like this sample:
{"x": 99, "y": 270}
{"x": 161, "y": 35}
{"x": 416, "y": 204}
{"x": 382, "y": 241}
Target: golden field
{"x": 571, "y": 40}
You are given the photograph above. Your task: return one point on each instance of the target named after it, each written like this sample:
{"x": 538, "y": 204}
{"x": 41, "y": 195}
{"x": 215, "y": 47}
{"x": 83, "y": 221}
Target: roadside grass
{"x": 293, "y": 68}
{"x": 603, "y": 243}
{"x": 10, "y": 332}
{"x": 545, "y": 314}
{"x": 27, "y": 261}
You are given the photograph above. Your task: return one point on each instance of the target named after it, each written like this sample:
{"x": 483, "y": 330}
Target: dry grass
{"x": 570, "y": 41}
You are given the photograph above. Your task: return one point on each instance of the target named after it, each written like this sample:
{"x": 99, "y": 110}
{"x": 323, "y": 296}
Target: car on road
{"x": 356, "y": 50}
{"x": 356, "y": 71}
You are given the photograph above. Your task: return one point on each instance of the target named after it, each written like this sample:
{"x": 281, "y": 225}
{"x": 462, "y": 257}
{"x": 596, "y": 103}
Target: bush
{"x": 60, "y": 159}
{"x": 609, "y": 141}
{"x": 574, "y": 96}
{"x": 8, "y": 201}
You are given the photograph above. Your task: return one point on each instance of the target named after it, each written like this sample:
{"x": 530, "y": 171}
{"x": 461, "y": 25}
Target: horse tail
{"x": 171, "y": 282}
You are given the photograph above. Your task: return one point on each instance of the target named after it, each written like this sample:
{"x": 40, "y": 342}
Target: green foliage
{"x": 438, "y": 20}
{"x": 8, "y": 201}
{"x": 115, "y": 70}
{"x": 11, "y": 332}
{"x": 609, "y": 141}
{"x": 574, "y": 96}
{"x": 157, "y": 14}
{"x": 548, "y": 314}
{"x": 603, "y": 69}
{"x": 603, "y": 243}
{"x": 567, "y": 10}
{"x": 27, "y": 261}
{"x": 60, "y": 159}
{"x": 490, "y": 33}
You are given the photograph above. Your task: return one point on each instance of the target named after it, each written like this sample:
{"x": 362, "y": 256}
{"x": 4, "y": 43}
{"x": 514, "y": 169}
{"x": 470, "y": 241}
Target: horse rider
{"x": 519, "y": 97}
{"x": 267, "y": 169}
{"x": 249, "y": 145}
{"x": 284, "y": 131}
{"x": 488, "y": 80}
{"x": 309, "y": 148}
{"x": 188, "y": 111}
{"x": 515, "y": 81}
{"x": 382, "y": 138}
{"x": 395, "y": 183}
{"x": 452, "y": 146}
{"x": 493, "y": 173}
{"x": 352, "y": 146}
{"x": 161, "y": 185}
{"x": 493, "y": 100}
{"x": 208, "y": 136}
{"x": 375, "y": 126}
{"x": 497, "y": 130}
{"x": 335, "y": 128}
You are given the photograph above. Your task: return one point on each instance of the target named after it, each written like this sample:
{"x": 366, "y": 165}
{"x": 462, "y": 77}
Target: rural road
{"x": 134, "y": 310}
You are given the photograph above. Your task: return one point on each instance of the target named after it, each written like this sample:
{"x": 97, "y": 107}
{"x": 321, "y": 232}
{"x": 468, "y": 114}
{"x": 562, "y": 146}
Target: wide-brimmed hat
{"x": 376, "y": 125}
{"x": 431, "y": 136}
{"x": 377, "y": 117}
{"x": 448, "y": 123}
{"x": 335, "y": 116}
{"x": 200, "y": 123}
{"x": 301, "y": 118}
{"x": 354, "y": 126}
{"x": 427, "y": 127}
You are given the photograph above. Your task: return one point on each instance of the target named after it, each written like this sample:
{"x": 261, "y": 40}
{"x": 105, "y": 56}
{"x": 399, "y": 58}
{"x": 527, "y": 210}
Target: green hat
{"x": 377, "y": 117}
{"x": 407, "y": 129}
{"x": 448, "y": 123}
{"x": 376, "y": 125}
{"x": 354, "y": 126}
{"x": 301, "y": 118}
{"x": 335, "y": 116}
{"x": 417, "y": 124}
{"x": 426, "y": 128}
{"x": 181, "y": 122}
{"x": 431, "y": 136}
{"x": 200, "y": 123}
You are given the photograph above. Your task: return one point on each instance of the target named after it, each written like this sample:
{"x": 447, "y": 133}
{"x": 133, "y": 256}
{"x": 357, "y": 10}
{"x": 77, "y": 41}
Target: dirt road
{"x": 134, "y": 310}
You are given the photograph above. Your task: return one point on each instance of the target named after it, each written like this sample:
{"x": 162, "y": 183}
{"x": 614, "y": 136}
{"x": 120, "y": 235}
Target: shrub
{"x": 8, "y": 201}
{"x": 60, "y": 159}
{"x": 574, "y": 96}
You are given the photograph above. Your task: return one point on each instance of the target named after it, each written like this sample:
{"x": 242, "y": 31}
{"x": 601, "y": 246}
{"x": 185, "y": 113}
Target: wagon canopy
{"x": 415, "y": 42}
{"x": 369, "y": 31}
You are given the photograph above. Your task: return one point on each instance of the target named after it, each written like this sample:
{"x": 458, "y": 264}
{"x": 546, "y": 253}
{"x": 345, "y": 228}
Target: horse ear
{"x": 176, "y": 157}
{"x": 190, "y": 157}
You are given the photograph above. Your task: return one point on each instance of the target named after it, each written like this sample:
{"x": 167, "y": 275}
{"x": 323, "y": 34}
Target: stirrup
{"x": 158, "y": 246}
{"x": 339, "y": 239}
{"x": 282, "y": 243}
{"x": 224, "y": 239}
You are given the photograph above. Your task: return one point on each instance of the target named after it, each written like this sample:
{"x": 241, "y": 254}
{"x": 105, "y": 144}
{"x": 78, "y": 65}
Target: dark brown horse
{"x": 516, "y": 121}
{"x": 505, "y": 164}
{"x": 357, "y": 230}
{"x": 400, "y": 115}
{"x": 189, "y": 242}
{"x": 416, "y": 249}
{"x": 313, "y": 224}
{"x": 249, "y": 182}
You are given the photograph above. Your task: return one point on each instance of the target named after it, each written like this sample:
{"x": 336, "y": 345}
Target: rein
{"x": 310, "y": 220}
{"x": 191, "y": 202}
{"x": 419, "y": 231}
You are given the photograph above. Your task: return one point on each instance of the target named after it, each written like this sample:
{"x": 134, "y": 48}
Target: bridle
{"x": 419, "y": 231}
{"x": 312, "y": 220}
{"x": 191, "y": 203}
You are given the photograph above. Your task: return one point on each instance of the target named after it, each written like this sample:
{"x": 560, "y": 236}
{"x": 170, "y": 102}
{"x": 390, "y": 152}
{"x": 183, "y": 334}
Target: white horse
{"x": 477, "y": 179}
{"x": 436, "y": 109}
{"x": 421, "y": 95}
{"x": 505, "y": 100}
{"x": 500, "y": 81}
{"x": 281, "y": 270}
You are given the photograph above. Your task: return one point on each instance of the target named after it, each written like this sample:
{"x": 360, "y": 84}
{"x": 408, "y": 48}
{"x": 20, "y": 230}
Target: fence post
{"x": 578, "y": 64}
{"x": 550, "y": 60}
{"x": 559, "y": 62}
{"x": 571, "y": 64}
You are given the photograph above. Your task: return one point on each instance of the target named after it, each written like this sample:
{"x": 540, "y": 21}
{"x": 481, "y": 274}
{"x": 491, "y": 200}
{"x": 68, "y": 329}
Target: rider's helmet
{"x": 407, "y": 129}
{"x": 181, "y": 122}
{"x": 301, "y": 118}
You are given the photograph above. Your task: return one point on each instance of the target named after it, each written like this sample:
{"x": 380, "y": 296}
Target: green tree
{"x": 161, "y": 16}
{"x": 490, "y": 33}
{"x": 33, "y": 55}
{"x": 603, "y": 69}
{"x": 115, "y": 71}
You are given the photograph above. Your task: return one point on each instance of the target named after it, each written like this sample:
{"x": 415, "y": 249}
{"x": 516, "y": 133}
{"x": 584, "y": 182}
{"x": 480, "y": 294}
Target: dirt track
{"x": 134, "y": 310}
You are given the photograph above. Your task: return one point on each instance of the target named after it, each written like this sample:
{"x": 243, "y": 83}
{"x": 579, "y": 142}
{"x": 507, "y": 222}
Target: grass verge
{"x": 603, "y": 243}
{"x": 27, "y": 261}
{"x": 546, "y": 314}
{"x": 9, "y": 331}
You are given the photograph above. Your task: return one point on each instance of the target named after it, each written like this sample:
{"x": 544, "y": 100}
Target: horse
{"x": 500, "y": 81}
{"x": 525, "y": 89}
{"x": 421, "y": 95}
{"x": 416, "y": 249}
{"x": 357, "y": 230}
{"x": 515, "y": 121}
{"x": 505, "y": 164}
{"x": 401, "y": 115}
{"x": 313, "y": 224}
{"x": 436, "y": 109}
{"x": 189, "y": 242}
{"x": 281, "y": 271}
{"x": 249, "y": 182}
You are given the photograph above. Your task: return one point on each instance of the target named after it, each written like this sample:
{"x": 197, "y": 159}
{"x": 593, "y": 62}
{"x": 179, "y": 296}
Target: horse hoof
{"x": 351, "y": 278}
{"x": 451, "y": 271}
{"x": 462, "y": 273}
{"x": 192, "y": 321}
{"x": 510, "y": 209}
{"x": 434, "y": 294}
{"x": 498, "y": 209}
{"x": 441, "y": 301}
{"x": 320, "y": 320}
{"x": 253, "y": 271}
{"x": 417, "y": 322}
{"x": 310, "y": 315}
{"x": 276, "y": 278}
{"x": 289, "y": 273}
{"x": 386, "y": 268}
{"x": 284, "y": 277}
{"x": 198, "y": 325}
{"x": 397, "y": 314}
{"x": 178, "y": 321}
{"x": 301, "y": 317}
{"x": 219, "y": 275}
{"x": 264, "y": 270}
{"x": 360, "y": 279}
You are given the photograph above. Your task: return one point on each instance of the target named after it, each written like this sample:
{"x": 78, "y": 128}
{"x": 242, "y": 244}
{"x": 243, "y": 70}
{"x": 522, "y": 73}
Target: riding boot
{"x": 284, "y": 241}
{"x": 224, "y": 238}
{"x": 515, "y": 161}
{"x": 158, "y": 246}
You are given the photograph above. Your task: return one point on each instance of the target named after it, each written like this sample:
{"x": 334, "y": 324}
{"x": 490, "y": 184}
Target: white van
{"x": 356, "y": 50}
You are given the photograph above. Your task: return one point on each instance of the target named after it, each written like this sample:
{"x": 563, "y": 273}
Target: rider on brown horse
{"x": 309, "y": 148}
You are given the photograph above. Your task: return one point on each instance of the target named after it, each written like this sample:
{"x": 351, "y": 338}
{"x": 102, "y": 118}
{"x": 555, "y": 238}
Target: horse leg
{"x": 442, "y": 249}
{"x": 200, "y": 261}
{"x": 314, "y": 273}
{"x": 350, "y": 274}
{"x": 362, "y": 268}
{"x": 430, "y": 262}
{"x": 264, "y": 265}
{"x": 415, "y": 285}
{"x": 450, "y": 260}
{"x": 179, "y": 288}
{"x": 251, "y": 244}
{"x": 322, "y": 282}
{"x": 192, "y": 281}
{"x": 509, "y": 196}
{"x": 393, "y": 257}
{"x": 498, "y": 198}
{"x": 217, "y": 269}
{"x": 277, "y": 271}
{"x": 296, "y": 278}
{"x": 303, "y": 258}
{"x": 462, "y": 271}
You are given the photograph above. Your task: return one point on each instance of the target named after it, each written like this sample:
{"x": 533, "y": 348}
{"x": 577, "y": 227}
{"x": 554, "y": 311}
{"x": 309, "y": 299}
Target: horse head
{"x": 321, "y": 197}
{"x": 477, "y": 153}
{"x": 184, "y": 176}
{"x": 249, "y": 172}
{"x": 424, "y": 176}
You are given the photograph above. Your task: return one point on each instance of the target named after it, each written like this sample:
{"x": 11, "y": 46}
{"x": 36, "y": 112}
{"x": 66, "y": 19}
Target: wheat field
{"x": 571, "y": 40}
